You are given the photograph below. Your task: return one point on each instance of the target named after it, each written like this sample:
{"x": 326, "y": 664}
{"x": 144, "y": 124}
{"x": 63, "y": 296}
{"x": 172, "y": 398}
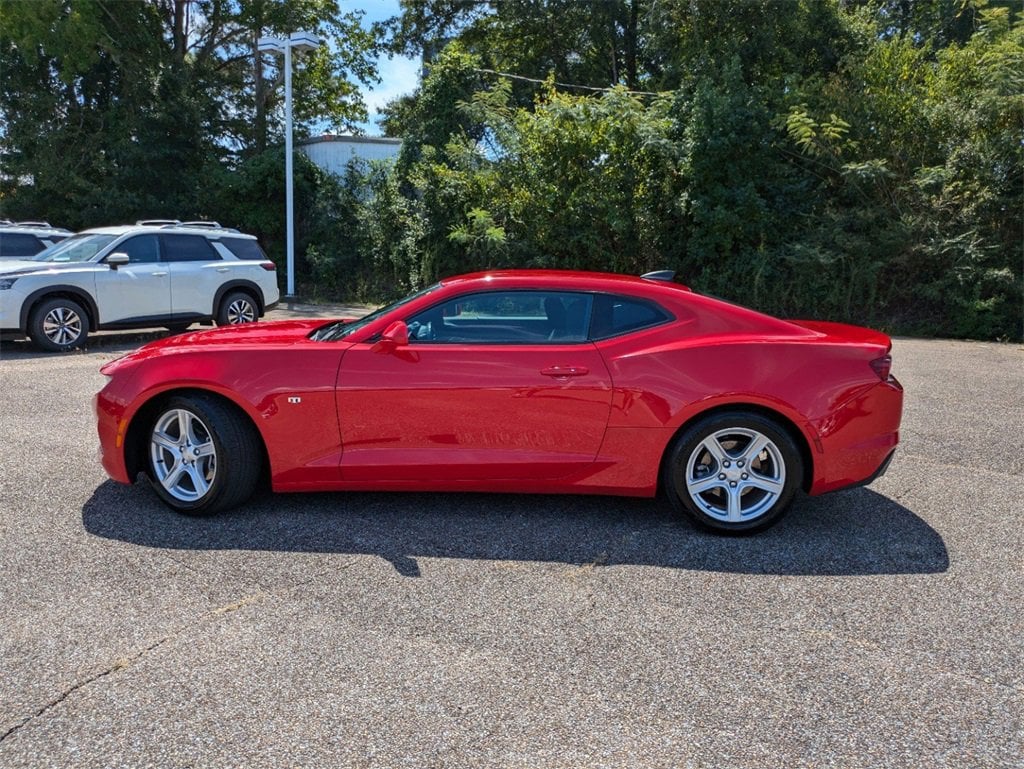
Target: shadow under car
{"x": 855, "y": 532}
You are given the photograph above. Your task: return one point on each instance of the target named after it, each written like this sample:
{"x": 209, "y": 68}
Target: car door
{"x": 197, "y": 271}
{"x": 499, "y": 385}
{"x": 136, "y": 292}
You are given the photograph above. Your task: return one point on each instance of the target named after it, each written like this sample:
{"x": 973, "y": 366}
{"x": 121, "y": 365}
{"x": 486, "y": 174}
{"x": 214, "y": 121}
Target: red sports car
{"x": 516, "y": 381}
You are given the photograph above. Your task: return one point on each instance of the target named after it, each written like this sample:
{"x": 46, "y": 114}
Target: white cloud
{"x": 398, "y": 76}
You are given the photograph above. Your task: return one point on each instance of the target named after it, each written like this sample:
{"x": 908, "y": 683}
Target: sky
{"x": 398, "y": 75}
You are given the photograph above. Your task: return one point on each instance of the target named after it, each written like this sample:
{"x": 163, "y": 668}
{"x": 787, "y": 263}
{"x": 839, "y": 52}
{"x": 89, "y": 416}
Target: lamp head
{"x": 304, "y": 41}
{"x": 274, "y": 44}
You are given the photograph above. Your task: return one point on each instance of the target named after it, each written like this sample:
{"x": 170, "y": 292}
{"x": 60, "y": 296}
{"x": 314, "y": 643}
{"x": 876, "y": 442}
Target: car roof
{"x": 578, "y": 279}
{"x": 34, "y": 228}
{"x": 183, "y": 229}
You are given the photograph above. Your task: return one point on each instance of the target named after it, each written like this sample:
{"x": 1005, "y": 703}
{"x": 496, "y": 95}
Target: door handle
{"x": 158, "y": 274}
{"x": 223, "y": 269}
{"x": 564, "y": 372}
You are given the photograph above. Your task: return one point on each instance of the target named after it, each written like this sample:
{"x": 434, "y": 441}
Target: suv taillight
{"x": 882, "y": 366}
{"x": 268, "y": 266}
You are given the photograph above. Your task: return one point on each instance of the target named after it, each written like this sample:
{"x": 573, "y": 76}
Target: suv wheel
{"x": 237, "y": 307}
{"x": 58, "y": 325}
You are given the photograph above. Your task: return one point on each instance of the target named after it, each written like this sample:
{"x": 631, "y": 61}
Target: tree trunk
{"x": 179, "y": 37}
{"x": 630, "y": 45}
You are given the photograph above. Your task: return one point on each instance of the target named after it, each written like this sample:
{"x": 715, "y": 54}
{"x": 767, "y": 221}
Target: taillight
{"x": 268, "y": 266}
{"x": 882, "y": 366}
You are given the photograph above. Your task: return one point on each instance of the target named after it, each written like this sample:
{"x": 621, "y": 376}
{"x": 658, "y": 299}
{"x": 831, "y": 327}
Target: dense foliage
{"x": 859, "y": 160}
{"x": 111, "y": 111}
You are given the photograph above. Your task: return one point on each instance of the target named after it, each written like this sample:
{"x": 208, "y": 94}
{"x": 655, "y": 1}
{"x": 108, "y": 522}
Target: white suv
{"x": 23, "y": 240}
{"x": 153, "y": 273}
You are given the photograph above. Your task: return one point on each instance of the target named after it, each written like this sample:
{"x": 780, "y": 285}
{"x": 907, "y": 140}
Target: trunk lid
{"x": 843, "y": 333}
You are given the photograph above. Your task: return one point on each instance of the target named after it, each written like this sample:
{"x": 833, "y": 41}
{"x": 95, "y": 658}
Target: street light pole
{"x": 289, "y": 203}
{"x": 300, "y": 41}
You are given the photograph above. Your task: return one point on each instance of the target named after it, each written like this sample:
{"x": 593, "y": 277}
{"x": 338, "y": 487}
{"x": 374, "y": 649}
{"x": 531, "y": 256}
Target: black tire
{"x": 190, "y": 482}
{"x": 58, "y": 325}
{"x": 178, "y": 328}
{"x": 737, "y": 492}
{"x": 237, "y": 307}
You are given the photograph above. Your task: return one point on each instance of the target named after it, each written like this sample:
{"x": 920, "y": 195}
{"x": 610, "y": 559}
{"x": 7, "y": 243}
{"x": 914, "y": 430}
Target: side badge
{"x": 294, "y": 399}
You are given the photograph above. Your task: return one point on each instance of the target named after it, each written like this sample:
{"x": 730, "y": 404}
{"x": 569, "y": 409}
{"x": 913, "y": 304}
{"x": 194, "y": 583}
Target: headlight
{"x": 6, "y": 283}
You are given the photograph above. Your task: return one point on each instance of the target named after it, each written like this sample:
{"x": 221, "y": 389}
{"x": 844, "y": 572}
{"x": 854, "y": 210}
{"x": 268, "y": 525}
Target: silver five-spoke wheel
{"x": 204, "y": 453}
{"x": 735, "y": 474}
{"x": 183, "y": 455}
{"x": 733, "y": 471}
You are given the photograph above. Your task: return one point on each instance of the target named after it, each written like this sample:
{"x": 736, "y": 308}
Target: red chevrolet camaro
{"x": 516, "y": 381}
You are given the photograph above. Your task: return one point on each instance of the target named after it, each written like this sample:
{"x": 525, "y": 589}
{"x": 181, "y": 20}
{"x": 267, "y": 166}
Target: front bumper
{"x": 111, "y": 425}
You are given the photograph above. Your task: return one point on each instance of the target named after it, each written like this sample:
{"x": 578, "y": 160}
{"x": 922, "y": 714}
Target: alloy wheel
{"x": 241, "y": 311}
{"x": 735, "y": 475}
{"x": 184, "y": 458}
{"x": 62, "y": 325}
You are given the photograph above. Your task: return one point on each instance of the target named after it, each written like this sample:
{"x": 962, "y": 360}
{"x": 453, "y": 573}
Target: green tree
{"x": 111, "y": 111}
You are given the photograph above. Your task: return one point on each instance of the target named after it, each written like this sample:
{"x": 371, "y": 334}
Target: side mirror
{"x": 119, "y": 259}
{"x": 396, "y": 335}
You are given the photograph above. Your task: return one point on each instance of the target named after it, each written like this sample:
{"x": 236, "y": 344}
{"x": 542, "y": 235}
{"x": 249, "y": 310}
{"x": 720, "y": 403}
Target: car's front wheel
{"x": 58, "y": 325}
{"x": 237, "y": 307}
{"x": 203, "y": 456}
{"x": 733, "y": 472}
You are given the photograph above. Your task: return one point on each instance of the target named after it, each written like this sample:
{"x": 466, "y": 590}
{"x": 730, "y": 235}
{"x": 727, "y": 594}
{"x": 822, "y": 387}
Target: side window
{"x": 614, "y": 315}
{"x": 505, "y": 317}
{"x": 19, "y": 244}
{"x": 243, "y": 248}
{"x": 188, "y": 248}
{"x": 142, "y": 249}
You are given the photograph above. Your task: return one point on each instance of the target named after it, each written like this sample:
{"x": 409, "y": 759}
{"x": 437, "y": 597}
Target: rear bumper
{"x": 857, "y": 441}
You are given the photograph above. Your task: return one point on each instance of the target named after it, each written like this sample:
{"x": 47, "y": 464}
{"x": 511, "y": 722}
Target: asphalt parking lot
{"x": 879, "y": 627}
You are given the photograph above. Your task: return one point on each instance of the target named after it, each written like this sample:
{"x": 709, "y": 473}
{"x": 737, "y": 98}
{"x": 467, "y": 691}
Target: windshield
{"x": 340, "y": 329}
{"x": 77, "y": 248}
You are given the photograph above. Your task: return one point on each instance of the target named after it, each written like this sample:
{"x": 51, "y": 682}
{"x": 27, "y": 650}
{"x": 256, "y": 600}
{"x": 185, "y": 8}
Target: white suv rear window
{"x": 244, "y": 248}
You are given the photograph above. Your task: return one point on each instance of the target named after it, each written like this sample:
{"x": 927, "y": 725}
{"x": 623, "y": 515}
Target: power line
{"x": 510, "y": 76}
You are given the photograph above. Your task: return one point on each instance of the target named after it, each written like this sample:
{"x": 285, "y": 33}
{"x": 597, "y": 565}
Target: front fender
{"x": 291, "y": 402}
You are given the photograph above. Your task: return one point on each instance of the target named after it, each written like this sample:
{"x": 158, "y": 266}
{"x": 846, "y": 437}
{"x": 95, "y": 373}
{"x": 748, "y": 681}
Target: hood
{"x": 281, "y": 333}
{"x": 17, "y": 267}
{"x": 7, "y": 266}
{"x": 262, "y": 333}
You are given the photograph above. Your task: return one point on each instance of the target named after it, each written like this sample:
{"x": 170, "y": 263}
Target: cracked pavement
{"x": 878, "y": 627}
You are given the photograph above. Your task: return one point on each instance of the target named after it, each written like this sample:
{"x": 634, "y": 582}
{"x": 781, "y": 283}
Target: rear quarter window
{"x": 188, "y": 248}
{"x": 615, "y": 315}
{"x": 243, "y": 248}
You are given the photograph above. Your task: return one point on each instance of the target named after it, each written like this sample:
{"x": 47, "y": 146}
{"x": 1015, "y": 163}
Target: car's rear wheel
{"x": 203, "y": 456}
{"x": 237, "y": 307}
{"x": 58, "y": 325}
{"x": 733, "y": 472}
